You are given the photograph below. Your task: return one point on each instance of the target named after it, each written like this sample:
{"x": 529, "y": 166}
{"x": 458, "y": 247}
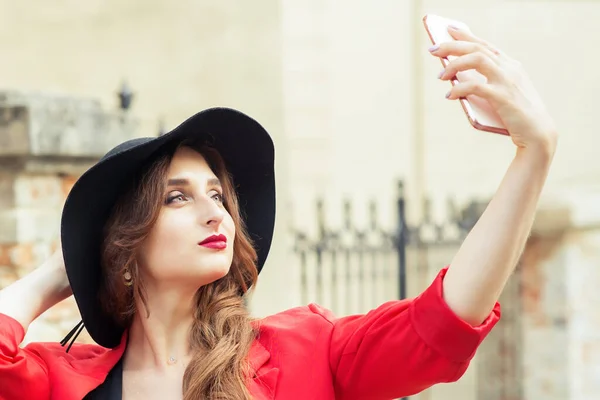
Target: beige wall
{"x": 178, "y": 57}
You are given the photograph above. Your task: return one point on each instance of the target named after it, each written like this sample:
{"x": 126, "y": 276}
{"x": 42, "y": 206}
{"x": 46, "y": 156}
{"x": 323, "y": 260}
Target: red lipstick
{"x": 217, "y": 242}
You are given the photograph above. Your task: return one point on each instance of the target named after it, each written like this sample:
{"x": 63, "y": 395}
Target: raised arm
{"x": 481, "y": 267}
{"x": 27, "y": 298}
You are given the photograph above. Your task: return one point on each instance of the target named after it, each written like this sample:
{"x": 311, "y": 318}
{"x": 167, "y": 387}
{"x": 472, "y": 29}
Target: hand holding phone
{"x": 478, "y": 110}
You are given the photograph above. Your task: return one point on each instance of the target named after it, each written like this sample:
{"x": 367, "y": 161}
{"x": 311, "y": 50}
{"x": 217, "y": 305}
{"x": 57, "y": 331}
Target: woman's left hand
{"x": 508, "y": 89}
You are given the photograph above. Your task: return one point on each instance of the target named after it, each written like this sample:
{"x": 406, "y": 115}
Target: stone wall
{"x": 545, "y": 318}
{"x": 29, "y": 223}
{"x": 46, "y": 142}
{"x": 546, "y": 345}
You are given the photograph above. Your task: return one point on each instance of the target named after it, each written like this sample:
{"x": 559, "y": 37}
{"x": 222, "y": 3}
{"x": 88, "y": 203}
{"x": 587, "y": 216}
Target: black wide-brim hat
{"x": 248, "y": 152}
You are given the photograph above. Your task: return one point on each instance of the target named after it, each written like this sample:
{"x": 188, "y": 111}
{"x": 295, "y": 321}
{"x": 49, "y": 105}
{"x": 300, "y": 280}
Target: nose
{"x": 210, "y": 213}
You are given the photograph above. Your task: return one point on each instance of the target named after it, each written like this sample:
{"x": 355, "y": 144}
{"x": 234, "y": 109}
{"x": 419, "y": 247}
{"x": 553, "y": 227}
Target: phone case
{"x": 479, "y": 112}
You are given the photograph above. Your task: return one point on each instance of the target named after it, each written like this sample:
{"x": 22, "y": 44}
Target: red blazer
{"x": 395, "y": 350}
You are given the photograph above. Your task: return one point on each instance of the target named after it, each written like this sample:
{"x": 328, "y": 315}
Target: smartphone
{"x": 479, "y": 112}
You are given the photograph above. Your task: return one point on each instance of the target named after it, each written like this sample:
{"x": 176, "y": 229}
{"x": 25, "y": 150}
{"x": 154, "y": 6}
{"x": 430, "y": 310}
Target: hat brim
{"x": 248, "y": 152}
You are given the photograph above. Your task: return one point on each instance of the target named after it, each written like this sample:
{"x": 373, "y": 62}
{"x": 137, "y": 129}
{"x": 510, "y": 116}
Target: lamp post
{"x": 125, "y": 97}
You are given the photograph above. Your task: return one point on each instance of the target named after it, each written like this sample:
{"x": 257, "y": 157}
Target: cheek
{"x": 165, "y": 231}
{"x": 164, "y": 241}
{"x": 229, "y": 226}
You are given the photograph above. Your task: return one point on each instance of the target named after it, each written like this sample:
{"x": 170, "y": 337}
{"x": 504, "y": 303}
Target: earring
{"x": 127, "y": 279}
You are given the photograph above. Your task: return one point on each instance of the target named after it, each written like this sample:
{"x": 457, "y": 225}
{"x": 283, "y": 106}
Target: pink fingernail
{"x": 454, "y": 27}
{"x": 433, "y": 48}
{"x": 441, "y": 74}
{"x": 448, "y": 95}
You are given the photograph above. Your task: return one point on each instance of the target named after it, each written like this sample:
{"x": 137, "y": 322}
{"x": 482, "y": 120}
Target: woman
{"x": 163, "y": 238}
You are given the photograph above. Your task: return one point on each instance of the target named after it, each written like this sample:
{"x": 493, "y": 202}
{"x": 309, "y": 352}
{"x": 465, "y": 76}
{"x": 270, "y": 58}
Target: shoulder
{"x": 49, "y": 350}
{"x": 85, "y": 358}
{"x": 300, "y": 330}
{"x": 12, "y": 335}
{"x": 315, "y": 323}
{"x": 312, "y": 316}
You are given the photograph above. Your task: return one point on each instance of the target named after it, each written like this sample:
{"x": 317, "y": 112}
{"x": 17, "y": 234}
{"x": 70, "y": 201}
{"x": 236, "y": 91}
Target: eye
{"x": 218, "y": 197}
{"x": 175, "y": 197}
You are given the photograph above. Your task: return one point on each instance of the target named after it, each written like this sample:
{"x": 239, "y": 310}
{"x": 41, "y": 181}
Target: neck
{"x": 160, "y": 340}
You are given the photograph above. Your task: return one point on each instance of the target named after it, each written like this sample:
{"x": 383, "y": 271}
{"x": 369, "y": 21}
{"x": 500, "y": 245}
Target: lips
{"x": 217, "y": 242}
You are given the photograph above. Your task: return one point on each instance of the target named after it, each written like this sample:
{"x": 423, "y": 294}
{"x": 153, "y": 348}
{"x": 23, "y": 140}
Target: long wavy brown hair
{"x": 222, "y": 333}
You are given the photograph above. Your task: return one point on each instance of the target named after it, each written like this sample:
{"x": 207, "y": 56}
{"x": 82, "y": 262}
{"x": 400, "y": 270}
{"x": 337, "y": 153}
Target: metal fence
{"x": 341, "y": 257}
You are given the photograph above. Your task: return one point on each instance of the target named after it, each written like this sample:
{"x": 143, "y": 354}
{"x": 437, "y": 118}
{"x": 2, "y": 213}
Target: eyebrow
{"x": 186, "y": 182}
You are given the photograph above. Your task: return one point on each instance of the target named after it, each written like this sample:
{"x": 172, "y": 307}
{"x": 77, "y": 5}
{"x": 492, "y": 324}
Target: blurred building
{"x": 350, "y": 95}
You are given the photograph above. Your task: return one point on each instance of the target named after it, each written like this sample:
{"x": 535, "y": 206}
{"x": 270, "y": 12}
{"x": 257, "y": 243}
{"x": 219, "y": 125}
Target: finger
{"x": 468, "y": 36}
{"x": 460, "y": 48}
{"x": 477, "y": 61}
{"x": 465, "y": 34}
{"x": 483, "y": 90}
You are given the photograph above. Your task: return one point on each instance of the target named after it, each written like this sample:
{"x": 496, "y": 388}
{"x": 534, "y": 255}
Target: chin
{"x": 209, "y": 275}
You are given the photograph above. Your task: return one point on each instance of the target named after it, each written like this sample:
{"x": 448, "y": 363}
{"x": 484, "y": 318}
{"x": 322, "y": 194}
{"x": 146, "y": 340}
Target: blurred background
{"x": 379, "y": 176}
